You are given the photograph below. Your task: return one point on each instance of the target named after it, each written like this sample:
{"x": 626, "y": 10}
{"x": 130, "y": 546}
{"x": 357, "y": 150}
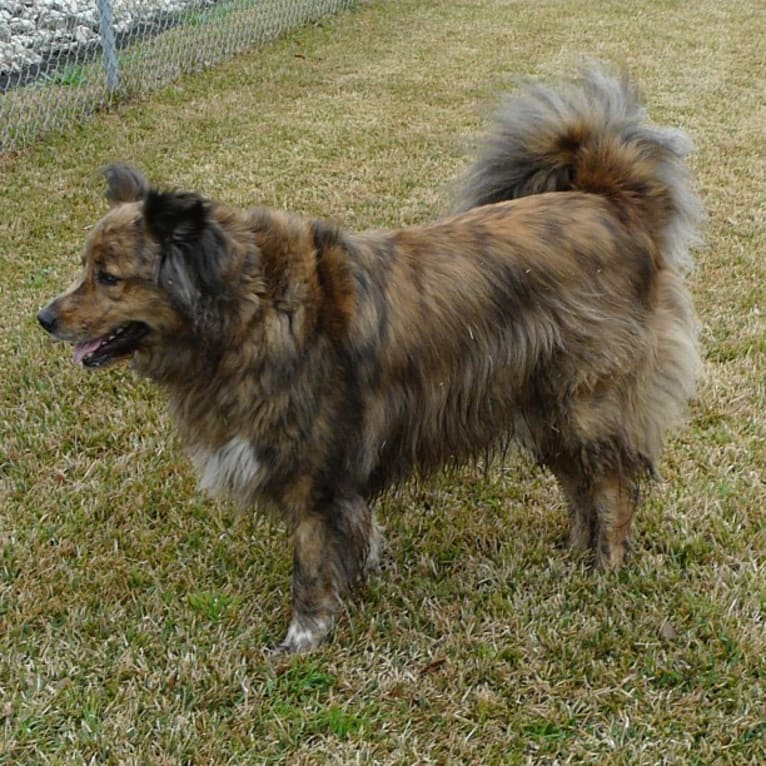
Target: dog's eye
{"x": 105, "y": 278}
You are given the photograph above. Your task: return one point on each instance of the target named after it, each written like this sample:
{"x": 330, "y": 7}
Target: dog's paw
{"x": 377, "y": 542}
{"x": 303, "y": 635}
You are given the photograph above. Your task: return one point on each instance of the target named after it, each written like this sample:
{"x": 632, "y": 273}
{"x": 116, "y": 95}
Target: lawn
{"x": 134, "y": 611}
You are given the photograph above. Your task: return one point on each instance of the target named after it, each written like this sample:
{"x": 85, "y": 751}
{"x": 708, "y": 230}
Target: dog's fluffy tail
{"x": 591, "y": 135}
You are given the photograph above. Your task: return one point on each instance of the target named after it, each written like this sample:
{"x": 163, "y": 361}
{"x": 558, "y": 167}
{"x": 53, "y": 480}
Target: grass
{"x": 73, "y": 75}
{"x": 133, "y": 610}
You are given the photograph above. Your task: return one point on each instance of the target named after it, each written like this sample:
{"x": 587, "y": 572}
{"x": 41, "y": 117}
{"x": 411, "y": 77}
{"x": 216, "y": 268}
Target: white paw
{"x": 303, "y": 635}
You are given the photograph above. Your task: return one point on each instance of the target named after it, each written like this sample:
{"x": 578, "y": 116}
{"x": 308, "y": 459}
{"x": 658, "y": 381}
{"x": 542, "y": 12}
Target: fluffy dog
{"x": 312, "y": 368}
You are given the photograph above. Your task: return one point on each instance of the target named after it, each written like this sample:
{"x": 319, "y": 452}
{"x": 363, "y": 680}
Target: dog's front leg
{"x": 334, "y": 544}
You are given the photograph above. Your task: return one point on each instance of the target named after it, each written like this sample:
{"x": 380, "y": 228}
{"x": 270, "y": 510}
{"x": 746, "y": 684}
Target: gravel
{"x": 34, "y": 32}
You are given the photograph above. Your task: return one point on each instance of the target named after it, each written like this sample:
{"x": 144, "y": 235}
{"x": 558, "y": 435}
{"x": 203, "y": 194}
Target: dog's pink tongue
{"x": 82, "y": 349}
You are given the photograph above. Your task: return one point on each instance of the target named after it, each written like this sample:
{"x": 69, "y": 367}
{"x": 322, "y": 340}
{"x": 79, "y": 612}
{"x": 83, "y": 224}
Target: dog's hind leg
{"x": 582, "y": 513}
{"x": 601, "y": 510}
{"x": 334, "y": 543}
{"x": 615, "y": 499}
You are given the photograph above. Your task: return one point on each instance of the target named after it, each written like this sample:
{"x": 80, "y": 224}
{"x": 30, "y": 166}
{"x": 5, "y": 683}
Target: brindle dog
{"x": 312, "y": 368}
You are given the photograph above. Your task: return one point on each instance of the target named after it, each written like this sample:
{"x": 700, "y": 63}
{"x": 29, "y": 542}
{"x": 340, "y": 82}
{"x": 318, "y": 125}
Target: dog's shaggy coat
{"x": 312, "y": 368}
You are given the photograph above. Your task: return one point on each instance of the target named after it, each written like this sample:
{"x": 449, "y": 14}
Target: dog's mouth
{"x": 120, "y": 342}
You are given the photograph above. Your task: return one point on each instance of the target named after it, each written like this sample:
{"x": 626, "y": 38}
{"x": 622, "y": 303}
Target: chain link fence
{"x": 61, "y": 60}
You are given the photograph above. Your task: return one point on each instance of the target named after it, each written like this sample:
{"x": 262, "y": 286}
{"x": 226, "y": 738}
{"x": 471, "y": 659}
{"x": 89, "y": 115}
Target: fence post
{"x": 109, "y": 44}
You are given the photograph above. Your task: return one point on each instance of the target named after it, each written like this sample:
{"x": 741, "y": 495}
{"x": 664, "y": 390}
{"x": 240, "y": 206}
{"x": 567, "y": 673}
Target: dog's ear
{"x": 175, "y": 216}
{"x": 124, "y": 184}
{"x": 192, "y": 251}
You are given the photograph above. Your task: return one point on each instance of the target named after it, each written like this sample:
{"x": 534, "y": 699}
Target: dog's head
{"x": 151, "y": 267}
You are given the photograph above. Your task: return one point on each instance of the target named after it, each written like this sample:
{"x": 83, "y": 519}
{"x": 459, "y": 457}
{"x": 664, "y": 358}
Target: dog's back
{"x": 504, "y": 316}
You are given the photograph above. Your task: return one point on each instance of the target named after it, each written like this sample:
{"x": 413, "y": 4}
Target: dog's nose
{"x": 47, "y": 319}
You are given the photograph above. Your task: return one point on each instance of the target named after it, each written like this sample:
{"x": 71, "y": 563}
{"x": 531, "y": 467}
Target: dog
{"x": 310, "y": 368}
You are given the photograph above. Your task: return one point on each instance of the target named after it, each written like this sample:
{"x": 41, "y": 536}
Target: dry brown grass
{"x": 134, "y": 610}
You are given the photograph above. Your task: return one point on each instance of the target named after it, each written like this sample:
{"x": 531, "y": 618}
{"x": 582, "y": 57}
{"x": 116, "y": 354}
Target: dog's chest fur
{"x": 233, "y": 468}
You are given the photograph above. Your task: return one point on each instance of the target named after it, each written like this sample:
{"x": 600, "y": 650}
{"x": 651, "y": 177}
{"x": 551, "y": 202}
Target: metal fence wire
{"x": 61, "y": 60}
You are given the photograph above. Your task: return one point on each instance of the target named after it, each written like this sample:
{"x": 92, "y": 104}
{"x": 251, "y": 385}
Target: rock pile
{"x": 35, "y": 31}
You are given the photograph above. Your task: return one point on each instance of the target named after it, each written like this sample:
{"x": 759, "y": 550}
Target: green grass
{"x": 133, "y": 611}
{"x": 198, "y": 17}
{"x": 69, "y": 75}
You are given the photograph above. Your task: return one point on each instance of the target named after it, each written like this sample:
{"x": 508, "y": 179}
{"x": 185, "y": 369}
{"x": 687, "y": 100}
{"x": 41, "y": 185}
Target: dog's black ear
{"x": 174, "y": 216}
{"x": 124, "y": 184}
{"x": 192, "y": 252}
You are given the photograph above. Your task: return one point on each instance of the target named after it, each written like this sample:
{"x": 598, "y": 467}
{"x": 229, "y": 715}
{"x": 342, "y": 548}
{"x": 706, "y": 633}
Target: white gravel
{"x": 31, "y": 30}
